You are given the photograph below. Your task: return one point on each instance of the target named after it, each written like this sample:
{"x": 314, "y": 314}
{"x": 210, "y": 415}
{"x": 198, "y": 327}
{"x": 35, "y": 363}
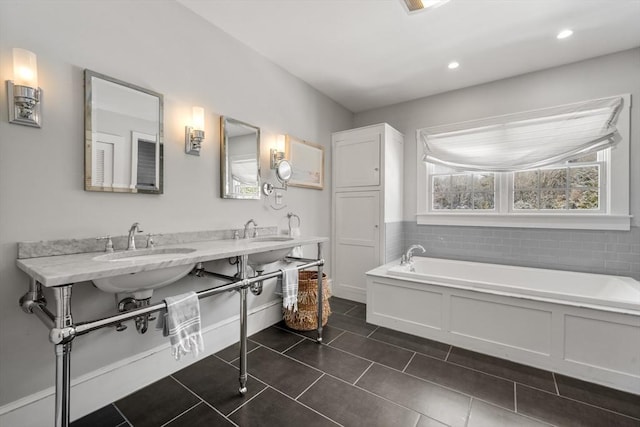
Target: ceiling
{"x": 366, "y": 54}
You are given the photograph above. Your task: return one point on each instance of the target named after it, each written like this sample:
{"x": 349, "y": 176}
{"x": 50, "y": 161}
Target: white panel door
{"x": 357, "y": 241}
{"x": 357, "y": 161}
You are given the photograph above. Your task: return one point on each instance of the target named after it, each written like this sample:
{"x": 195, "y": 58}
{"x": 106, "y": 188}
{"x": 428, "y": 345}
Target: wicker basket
{"x": 306, "y": 318}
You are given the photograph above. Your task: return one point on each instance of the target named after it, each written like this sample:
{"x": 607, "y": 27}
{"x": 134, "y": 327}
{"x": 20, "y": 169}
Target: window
{"x": 582, "y": 191}
{"x": 575, "y": 186}
{"x": 456, "y": 191}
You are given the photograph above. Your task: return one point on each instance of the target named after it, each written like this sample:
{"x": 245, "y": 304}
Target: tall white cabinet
{"x": 367, "y": 194}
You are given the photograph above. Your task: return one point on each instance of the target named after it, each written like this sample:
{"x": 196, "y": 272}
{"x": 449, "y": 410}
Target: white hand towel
{"x": 290, "y": 288}
{"x": 297, "y": 251}
{"x": 182, "y": 321}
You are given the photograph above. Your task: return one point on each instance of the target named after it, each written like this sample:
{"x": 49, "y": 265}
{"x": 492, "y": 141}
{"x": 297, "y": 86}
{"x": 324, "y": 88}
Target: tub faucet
{"x": 246, "y": 229}
{"x": 135, "y": 228}
{"x": 407, "y": 259}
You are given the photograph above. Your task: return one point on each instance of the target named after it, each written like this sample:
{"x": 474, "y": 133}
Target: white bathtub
{"x": 578, "y": 324}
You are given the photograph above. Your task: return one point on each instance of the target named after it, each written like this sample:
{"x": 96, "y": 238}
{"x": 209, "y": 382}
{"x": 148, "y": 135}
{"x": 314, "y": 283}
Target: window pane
{"x": 553, "y": 178}
{"x": 461, "y": 182}
{"x": 441, "y": 201}
{"x": 585, "y": 176}
{"x": 461, "y": 201}
{"x": 553, "y": 199}
{"x": 584, "y": 199}
{"x": 483, "y": 201}
{"x": 525, "y": 180}
{"x": 483, "y": 182}
{"x": 441, "y": 183}
{"x": 525, "y": 200}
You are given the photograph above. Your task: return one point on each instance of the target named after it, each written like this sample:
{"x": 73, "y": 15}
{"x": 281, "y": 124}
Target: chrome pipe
{"x": 243, "y": 326}
{"x": 44, "y": 315}
{"x": 218, "y": 275}
{"x": 296, "y": 259}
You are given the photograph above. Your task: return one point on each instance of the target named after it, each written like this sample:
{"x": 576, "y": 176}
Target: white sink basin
{"x": 258, "y": 260}
{"x": 142, "y": 283}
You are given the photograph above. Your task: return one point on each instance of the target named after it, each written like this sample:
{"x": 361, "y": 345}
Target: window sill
{"x": 569, "y": 221}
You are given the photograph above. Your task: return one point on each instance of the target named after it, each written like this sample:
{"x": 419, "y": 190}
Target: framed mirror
{"x": 239, "y": 159}
{"x": 123, "y": 128}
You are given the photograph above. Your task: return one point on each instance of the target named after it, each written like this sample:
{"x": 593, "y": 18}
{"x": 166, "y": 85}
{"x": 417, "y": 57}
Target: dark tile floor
{"x": 364, "y": 375}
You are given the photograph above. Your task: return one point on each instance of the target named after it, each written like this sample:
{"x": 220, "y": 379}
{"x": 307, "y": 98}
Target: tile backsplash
{"x": 598, "y": 251}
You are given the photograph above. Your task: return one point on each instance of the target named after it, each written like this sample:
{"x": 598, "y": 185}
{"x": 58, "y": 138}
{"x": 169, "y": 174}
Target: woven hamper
{"x": 306, "y": 318}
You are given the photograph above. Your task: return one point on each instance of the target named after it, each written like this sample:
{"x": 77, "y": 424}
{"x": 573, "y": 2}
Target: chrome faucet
{"x": 135, "y": 228}
{"x": 407, "y": 259}
{"x": 246, "y": 229}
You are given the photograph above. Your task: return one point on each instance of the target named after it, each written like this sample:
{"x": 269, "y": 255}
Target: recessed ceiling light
{"x": 564, "y": 34}
{"x": 453, "y": 65}
{"x": 416, "y": 5}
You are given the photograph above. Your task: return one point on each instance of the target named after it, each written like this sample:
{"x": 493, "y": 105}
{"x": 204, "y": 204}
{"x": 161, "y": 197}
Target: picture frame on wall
{"x": 307, "y": 161}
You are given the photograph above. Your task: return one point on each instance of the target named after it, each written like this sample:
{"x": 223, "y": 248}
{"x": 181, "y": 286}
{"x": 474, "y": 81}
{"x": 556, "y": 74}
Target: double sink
{"x": 142, "y": 283}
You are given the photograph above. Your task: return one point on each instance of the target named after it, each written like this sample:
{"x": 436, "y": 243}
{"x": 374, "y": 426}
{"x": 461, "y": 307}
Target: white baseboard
{"x": 351, "y": 293}
{"x": 96, "y": 389}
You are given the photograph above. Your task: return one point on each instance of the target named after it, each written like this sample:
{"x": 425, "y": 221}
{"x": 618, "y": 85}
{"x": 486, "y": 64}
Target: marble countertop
{"x": 67, "y": 269}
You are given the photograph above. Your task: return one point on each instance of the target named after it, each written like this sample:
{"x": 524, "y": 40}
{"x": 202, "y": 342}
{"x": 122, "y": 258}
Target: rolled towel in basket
{"x": 182, "y": 324}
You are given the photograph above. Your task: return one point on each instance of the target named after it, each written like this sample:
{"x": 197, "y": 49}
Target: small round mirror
{"x": 284, "y": 171}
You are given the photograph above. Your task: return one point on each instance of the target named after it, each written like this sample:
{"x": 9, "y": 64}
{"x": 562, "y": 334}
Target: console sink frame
{"x": 63, "y": 329}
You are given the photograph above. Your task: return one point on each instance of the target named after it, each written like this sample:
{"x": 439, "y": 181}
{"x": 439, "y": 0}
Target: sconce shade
{"x": 198, "y": 118}
{"x": 25, "y": 68}
{"x": 23, "y": 94}
{"x": 194, "y": 134}
{"x": 280, "y": 142}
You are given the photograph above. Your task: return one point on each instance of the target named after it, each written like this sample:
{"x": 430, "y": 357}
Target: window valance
{"x": 524, "y": 140}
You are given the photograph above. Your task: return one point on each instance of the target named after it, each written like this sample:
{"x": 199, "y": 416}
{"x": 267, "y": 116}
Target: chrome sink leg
{"x": 63, "y": 320}
{"x": 243, "y": 327}
{"x": 319, "y": 339}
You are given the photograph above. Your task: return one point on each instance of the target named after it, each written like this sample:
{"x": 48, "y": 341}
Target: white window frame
{"x": 614, "y": 196}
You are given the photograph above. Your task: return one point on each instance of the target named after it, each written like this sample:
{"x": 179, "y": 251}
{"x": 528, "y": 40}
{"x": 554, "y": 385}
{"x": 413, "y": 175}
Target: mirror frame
{"x": 88, "y": 131}
{"x": 223, "y": 160}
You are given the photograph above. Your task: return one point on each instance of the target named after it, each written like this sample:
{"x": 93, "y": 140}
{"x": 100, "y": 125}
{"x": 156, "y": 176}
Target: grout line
{"x": 310, "y": 385}
{"x": 407, "y": 365}
{"x": 466, "y": 422}
{"x": 237, "y": 358}
{"x": 305, "y": 405}
{"x": 121, "y": 414}
{"x": 181, "y": 414}
{"x": 201, "y": 401}
{"x": 290, "y": 347}
{"x": 555, "y": 383}
{"x": 373, "y": 332}
{"x": 337, "y": 336}
{"x": 446, "y": 358}
{"x": 631, "y": 417}
{"x": 515, "y": 398}
{"x": 248, "y": 400}
{"x": 364, "y": 372}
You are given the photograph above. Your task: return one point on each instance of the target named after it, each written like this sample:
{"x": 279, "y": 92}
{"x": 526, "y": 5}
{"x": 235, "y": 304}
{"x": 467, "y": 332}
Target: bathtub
{"x": 578, "y": 324}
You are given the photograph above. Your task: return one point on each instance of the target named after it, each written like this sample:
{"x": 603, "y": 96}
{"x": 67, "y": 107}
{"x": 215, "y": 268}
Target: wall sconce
{"x": 277, "y": 153}
{"x": 23, "y": 93}
{"x": 194, "y": 135}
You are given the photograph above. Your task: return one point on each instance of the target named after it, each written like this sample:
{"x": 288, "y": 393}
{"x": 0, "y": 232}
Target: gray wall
{"x": 153, "y": 44}
{"x": 612, "y": 252}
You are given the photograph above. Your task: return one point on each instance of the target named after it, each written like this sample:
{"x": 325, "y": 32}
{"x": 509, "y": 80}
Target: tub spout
{"x": 408, "y": 257}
